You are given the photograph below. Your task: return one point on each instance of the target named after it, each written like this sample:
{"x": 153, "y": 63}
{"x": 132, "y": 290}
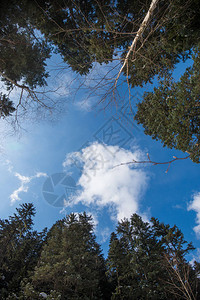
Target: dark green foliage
{"x": 172, "y": 112}
{"x": 22, "y": 55}
{"x": 92, "y": 31}
{"x": 6, "y": 106}
{"x": 145, "y": 260}
{"x": 139, "y": 260}
{"x": 20, "y": 248}
{"x": 85, "y": 32}
{"x": 71, "y": 261}
{"x": 168, "y": 39}
{"x": 77, "y": 29}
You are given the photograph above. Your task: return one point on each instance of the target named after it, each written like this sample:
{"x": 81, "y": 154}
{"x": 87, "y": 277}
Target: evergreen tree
{"x": 71, "y": 262}
{"x": 145, "y": 260}
{"x": 172, "y": 112}
{"x": 141, "y": 261}
{"x": 23, "y": 55}
{"x": 77, "y": 29}
{"x": 6, "y": 106}
{"x": 84, "y": 32}
{"x": 91, "y": 31}
{"x": 19, "y": 249}
{"x": 168, "y": 39}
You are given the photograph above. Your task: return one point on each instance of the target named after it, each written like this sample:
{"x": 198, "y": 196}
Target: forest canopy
{"x": 88, "y": 32}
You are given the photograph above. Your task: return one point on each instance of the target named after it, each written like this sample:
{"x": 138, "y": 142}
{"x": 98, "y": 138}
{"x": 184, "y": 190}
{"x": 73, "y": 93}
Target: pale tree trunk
{"x": 138, "y": 35}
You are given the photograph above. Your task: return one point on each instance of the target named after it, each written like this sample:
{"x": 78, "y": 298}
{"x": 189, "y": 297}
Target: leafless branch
{"x": 179, "y": 274}
{"x": 154, "y": 163}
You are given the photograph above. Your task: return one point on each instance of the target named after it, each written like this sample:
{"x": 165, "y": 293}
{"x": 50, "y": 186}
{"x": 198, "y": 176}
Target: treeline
{"x": 146, "y": 260}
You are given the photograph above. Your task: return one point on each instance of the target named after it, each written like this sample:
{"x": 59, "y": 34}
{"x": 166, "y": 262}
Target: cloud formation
{"x": 195, "y": 205}
{"x": 85, "y": 105}
{"x": 24, "y": 181}
{"x": 105, "y": 184}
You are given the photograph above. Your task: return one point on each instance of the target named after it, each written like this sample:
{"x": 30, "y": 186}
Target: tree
{"x": 23, "y": 55}
{"x": 71, "y": 262}
{"x": 78, "y": 31}
{"x": 95, "y": 31}
{"x": 184, "y": 281}
{"x": 20, "y": 248}
{"x": 104, "y": 31}
{"x": 137, "y": 260}
{"x": 167, "y": 40}
{"x": 145, "y": 260}
{"x": 6, "y": 106}
{"x": 139, "y": 39}
{"x": 171, "y": 113}
{"x": 74, "y": 27}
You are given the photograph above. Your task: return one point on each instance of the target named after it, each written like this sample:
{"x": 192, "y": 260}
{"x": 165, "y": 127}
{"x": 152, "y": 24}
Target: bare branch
{"x": 179, "y": 276}
{"x": 154, "y": 163}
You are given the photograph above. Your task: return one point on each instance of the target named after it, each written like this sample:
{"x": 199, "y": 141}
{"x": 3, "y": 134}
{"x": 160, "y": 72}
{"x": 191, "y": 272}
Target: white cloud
{"x": 23, "y": 188}
{"x": 105, "y": 185}
{"x": 9, "y": 165}
{"x": 60, "y": 85}
{"x": 96, "y": 84}
{"x": 23, "y": 179}
{"x": 105, "y": 234}
{"x": 85, "y": 105}
{"x": 195, "y": 257}
{"x": 40, "y": 174}
{"x": 195, "y": 205}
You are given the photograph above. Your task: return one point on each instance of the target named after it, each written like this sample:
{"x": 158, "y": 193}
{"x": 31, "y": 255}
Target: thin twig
{"x": 154, "y": 163}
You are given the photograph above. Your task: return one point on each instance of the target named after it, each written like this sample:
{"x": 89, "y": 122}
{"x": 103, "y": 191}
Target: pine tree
{"x": 77, "y": 31}
{"x": 23, "y": 55}
{"x": 85, "y": 32}
{"x": 19, "y": 249}
{"x": 6, "y": 106}
{"x": 90, "y": 31}
{"x": 172, "y": 112}
{"x": 71, "y": 262}
{"x": 141, "y": 261}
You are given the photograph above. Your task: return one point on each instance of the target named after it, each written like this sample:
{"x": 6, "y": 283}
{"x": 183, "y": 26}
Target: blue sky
{"x": 105, "y": 190}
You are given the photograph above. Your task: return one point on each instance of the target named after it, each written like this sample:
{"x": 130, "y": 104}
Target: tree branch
{"x": 138, "y": 35}
{"x": 154, "y": 163}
